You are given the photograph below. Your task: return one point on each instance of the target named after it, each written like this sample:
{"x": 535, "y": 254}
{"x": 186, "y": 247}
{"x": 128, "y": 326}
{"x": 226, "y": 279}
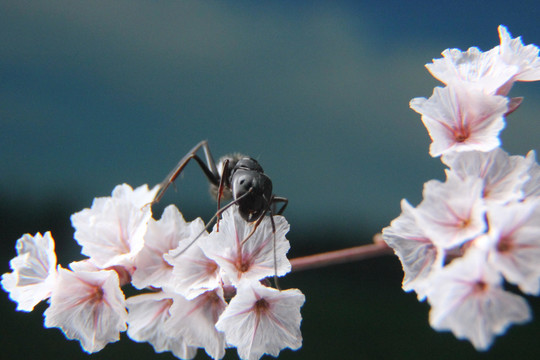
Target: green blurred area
{"x": 352, "y": 311}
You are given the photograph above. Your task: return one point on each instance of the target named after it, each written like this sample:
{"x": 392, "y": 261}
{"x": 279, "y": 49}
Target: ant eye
{"x": 242, "y": 182}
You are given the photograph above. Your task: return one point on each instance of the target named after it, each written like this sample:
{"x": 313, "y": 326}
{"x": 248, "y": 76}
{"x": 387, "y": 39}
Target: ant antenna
{"x": 216, "y": 215}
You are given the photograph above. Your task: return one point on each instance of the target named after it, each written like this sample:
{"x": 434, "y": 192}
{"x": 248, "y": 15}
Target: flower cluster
{"x": 194, "y": 294}
{"x": 474, "y": 236}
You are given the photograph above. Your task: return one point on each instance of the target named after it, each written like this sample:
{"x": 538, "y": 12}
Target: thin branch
{"x": 379, "y": 248}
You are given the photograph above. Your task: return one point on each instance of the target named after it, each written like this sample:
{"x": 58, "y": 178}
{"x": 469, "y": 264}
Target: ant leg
{"x": 276, "y": 282}
{"x": 283, "y": 200}
{"x": 224, "y": 176}
{"x": 272, "y": 202}
{"x": 210, "y": 170}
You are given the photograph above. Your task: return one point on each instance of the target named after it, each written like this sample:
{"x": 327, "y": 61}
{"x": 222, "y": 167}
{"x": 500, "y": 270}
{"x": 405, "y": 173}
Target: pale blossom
{"x": 467, "y": 298}
{"x": 452, "y": 212}
{"x": 147, "y": 316}
{"x": 194, "y": 321}
{"x": 524, "y": 57}
{"x": 261, "y": 320}
{"x": 503, "y": 175}
{"x": 417, "y": 253}
{"x": 262, "y": 255}
{"x": 485, "y": 71}
{"x": 193, "y": 272}
{"x": 111, "y": 231}
{"x": 461, "y": 119}
{"x": 151, "y": 267}
{"x": 514, "y": 234}
{"x": 493, "y": 71}
{"x": 88, "y": 306}
{"x": 34, "y": 271}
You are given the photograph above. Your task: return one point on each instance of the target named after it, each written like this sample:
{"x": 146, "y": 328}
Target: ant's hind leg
{"x": 282, "y": 200}
{"x": 209, "y": 169}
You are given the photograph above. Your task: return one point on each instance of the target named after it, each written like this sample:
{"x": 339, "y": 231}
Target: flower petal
{"x": 261, "y": 320}
{"x": 111, "y": 232}
{"x": 34, "y": 271}
{"x": 89, "y": 307}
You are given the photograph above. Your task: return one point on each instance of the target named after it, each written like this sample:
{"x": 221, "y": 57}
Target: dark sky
{"x": 93, "y": 94}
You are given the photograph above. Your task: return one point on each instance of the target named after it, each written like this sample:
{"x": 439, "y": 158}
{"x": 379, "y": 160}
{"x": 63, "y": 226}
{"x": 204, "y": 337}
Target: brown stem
{"x": 340, "y": 256}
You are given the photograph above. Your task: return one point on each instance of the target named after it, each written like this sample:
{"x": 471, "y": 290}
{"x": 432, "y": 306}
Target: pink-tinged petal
{"x": 485, "y": 71}
{"x": 531, "y": 189}
{"x": 251, "y": 259}
{"x": 34, "y": 271}
{"x": 89, "y": 307}
{"x": 148, "y": 314}
{"x": 162, "y": 236}
{"x": 526, "y": 58}
{"x": 261, "y": 320}
{"x": 84, "y": 265}
{"x": 515, "y": 243}
{"x": 467, "y": 299}
{"x": 452, "y": 212}
{"x": 193, "y": 272}
{"x": 194, "y": 320}
{"x": 111, "y": 232}
{"x": 503, "y": 176}
{"x": 461, "y": 119}
{"x": 417, "y": 253}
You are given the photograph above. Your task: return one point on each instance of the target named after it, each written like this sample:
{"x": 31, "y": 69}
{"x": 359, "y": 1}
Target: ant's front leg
{"x": 209, "y": 169}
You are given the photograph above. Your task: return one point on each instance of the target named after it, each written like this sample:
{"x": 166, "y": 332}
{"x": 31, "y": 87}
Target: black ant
{"x": 235, "y": 176}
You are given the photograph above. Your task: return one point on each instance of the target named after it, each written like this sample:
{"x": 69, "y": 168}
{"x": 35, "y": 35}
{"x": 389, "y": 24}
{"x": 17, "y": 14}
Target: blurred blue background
{"x": 97, "y": 93}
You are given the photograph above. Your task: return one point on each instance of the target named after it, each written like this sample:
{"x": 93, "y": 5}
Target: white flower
{"x": 194, "y": 321}
{"x": 34, "y": 271}
{"x": 514, "y": 233}
{"x": 467, "y": 298}
{"x": 261, "y": 320}
{"x": 513, "y": 52}
{"x": 485, "y": 71}
{"x": 494, "y": 71}
{"x": 112, "y": 231}
{"x": 452, "y": 212}
{"x": 148, "y": 314}
{"x": 461, "y": 119}
{"x": 88, "y": 306}
{"x": 162, "y": 236}
{"x": 193, "y": 272}
{"x": 251, "y": 259}
{"x": 503, "y": 175}
{"x": 417, "y": 253}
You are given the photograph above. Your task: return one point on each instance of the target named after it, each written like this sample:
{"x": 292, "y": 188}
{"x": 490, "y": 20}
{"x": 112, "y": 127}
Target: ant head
{"x": 252, "y": 190}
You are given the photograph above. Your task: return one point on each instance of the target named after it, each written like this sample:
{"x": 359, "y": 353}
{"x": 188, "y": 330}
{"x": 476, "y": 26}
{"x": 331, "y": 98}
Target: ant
{"x": 237, "y": 177}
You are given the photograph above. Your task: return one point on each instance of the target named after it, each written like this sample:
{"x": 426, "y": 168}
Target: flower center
{"x": 96, "y": 296}
{"x": 463, "y": 223}
{"x": 261, "y": 306}
{"x": 504, "y": 244}
{"x": 460, "y": 135}
{"x": 480, "y": 287}
{"x": 243, "y": 264}
{"x": 211, "y": 267}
